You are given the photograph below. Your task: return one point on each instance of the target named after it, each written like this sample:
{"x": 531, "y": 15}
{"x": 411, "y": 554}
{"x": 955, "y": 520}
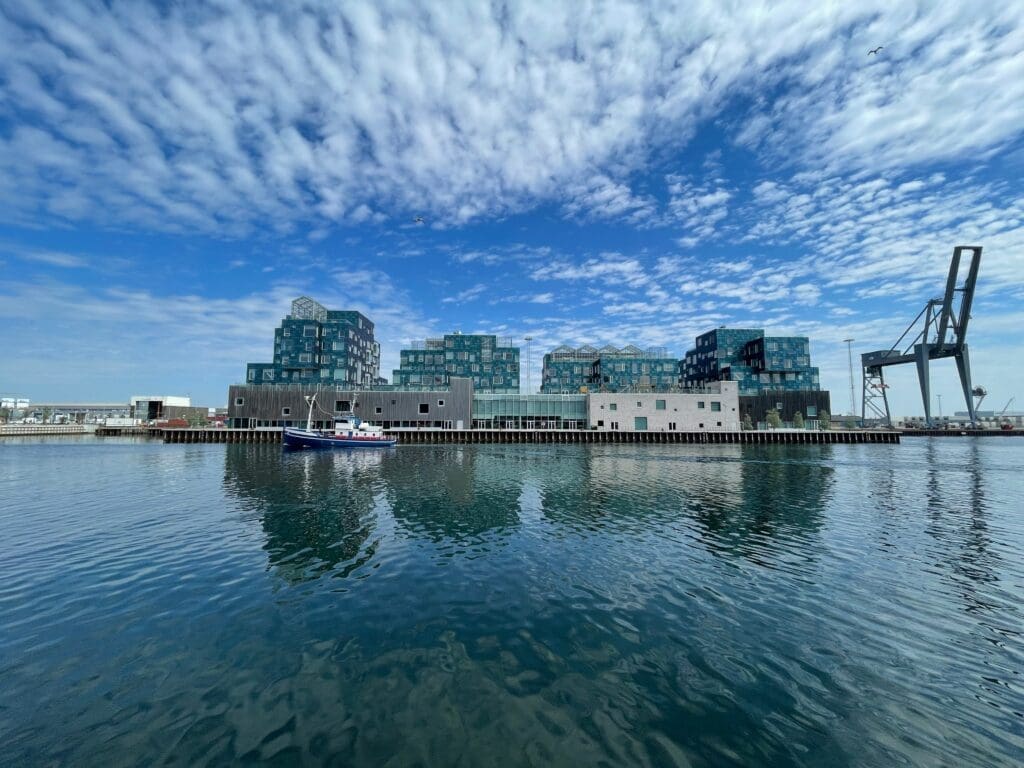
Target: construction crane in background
{"x": 979, "y": 395}
{"x": 999, "y": 419}
{"x": 942, "y": 334}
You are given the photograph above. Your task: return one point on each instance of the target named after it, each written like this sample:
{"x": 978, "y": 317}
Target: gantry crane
{"x": 943, "y": 334}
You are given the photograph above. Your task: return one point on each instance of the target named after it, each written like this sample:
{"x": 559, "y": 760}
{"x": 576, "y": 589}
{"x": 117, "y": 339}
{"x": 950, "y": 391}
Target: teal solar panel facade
{"x": 758, "y": 363}
{"x": 478, "y": 357}
{"x": 315, "y": 345}
{"x": 610, "y": 369}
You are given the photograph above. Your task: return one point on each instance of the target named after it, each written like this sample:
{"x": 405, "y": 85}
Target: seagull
{"x": 418, "y": 220}
{"x": 876, "y": 50}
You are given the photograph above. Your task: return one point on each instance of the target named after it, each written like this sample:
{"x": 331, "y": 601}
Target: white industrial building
{"x": 714, "y": 408}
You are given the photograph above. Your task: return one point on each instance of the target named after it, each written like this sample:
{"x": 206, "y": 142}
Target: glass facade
{"x": 758, "y": 363}
{"x": 315, "y": 345}
{"x": 492, "y": 368}
{"x": 610, "y": 369}
{"x": 491, "y": 411}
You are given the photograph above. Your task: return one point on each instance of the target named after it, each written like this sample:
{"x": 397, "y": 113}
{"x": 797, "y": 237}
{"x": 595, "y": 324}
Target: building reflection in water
{"x": 738, "y": 499}
{"x": 320, "y": 509}
{"x": 317, "y": 508}
{"x": 958, "y": 520}
{"x": 457, "y": 493}
{"x": 783, "y": 494}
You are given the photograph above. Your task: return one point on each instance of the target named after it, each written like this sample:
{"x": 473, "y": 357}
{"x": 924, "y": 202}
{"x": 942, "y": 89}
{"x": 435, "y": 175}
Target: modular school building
{"x": 714, "y": 407}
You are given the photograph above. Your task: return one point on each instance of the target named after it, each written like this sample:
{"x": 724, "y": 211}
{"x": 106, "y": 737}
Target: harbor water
{"x": 547, "y": 605}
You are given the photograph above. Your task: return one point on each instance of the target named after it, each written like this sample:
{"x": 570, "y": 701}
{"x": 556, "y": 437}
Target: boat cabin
{"x": 350, "y": 424}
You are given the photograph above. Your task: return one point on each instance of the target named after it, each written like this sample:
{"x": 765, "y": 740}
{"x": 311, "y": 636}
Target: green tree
{"x": 5, "y": 415}
{"x": 773, "y": 419}
{"x": 798, "y": 420}
{"x": 824, "y": 419}
{"x": 195, "y": 419}
{"x": 746, "y": 424}
{"x": 46, "y": 415}
{"x": 850, "y": 423}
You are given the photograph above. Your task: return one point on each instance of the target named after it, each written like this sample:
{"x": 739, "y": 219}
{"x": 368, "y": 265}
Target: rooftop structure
{"x": 316, "y": 345}
{"x": 477, "y": 357}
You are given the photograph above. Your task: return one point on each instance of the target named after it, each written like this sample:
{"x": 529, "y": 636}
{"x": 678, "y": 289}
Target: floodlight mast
{"x": 941, "y": 319}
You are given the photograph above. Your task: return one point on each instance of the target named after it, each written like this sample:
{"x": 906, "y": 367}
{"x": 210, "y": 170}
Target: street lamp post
{"x": 849, "y": 355}
{"x": 528, "y": 339}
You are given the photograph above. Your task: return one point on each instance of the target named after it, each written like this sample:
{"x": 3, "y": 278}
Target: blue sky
{"x": 171, "y": 176}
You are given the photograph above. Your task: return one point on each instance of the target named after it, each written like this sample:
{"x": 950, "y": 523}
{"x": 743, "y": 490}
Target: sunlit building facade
{"x": 756, "y": 362}
{"x": 582, "y": 369}
{"x": 478, "y": 357}
{"x": 315, "y": 345}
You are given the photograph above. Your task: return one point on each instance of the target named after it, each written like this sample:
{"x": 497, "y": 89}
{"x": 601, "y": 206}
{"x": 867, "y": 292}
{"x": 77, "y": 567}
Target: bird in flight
{"x": 418, "y": 220}
{"x": 876, "y": 50}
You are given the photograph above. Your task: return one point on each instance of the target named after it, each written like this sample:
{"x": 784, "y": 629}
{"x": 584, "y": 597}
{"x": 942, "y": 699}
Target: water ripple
{"x": 606, "y": 605}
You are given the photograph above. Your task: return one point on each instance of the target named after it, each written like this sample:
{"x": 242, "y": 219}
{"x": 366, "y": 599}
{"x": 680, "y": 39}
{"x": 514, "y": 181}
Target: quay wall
{"x": 28, "y": 430}
{"x": 467, "y": 436}
{"x": 962, "y": 432}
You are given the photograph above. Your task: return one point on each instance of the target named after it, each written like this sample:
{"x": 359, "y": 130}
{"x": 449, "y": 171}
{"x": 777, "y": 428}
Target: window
{"x": 640, "y": 423}
{"x": 286, "y": 411}
{"x": 305, "y": 358}
{"x": 812, "y": 411}
{"x": 424, "y": 407}
{"x": 342, "y": 405}
{"x": 701, "y": 425}
{"x": 440, "y": 403}
{"x": 613, "y": 407}
{"x": 377, "y": 409}
{"x": 659, "y": 405}
{"x": 393, "y": 402}
{"x": 239, "y": 401}
{"x": 309, "y": 331}
{"x": 715, "y": 405}
{"x": 700, "y": 403}
{"x": 600, "y": 423}
{"x": 639, "y": 404}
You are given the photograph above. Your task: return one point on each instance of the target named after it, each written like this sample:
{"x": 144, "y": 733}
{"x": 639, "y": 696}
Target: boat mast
{"x": 309, "y": 421}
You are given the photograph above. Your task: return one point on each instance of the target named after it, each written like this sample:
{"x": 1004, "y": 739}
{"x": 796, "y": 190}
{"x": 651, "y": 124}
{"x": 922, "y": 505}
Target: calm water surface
{"x": 512, "y": 605}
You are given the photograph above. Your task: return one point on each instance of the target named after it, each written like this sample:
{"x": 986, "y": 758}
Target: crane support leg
{"x": 921, "y": 356}
{"x": 963, "y": 367}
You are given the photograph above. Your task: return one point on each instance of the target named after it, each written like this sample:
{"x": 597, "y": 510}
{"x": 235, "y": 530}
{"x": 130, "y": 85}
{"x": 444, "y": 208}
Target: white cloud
{"x": 886, "y": 236}
{"x": 54, "y": 258}
{"x": 603, "y": 198}
{"x": 229, "y": 117}
{"x": 60, "y": 326}
{"x": 697, "y": 207}
{"x": 467, "y": 295}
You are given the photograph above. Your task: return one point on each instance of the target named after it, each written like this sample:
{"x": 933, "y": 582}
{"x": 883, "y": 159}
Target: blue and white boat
{"x": 348, "y": 432}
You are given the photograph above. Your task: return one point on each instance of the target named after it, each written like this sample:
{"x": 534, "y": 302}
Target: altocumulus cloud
{"x": 226, "y": 117}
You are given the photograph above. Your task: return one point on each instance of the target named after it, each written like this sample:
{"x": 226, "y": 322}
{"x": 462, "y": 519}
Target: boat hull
{"x": 300, "y": 438}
